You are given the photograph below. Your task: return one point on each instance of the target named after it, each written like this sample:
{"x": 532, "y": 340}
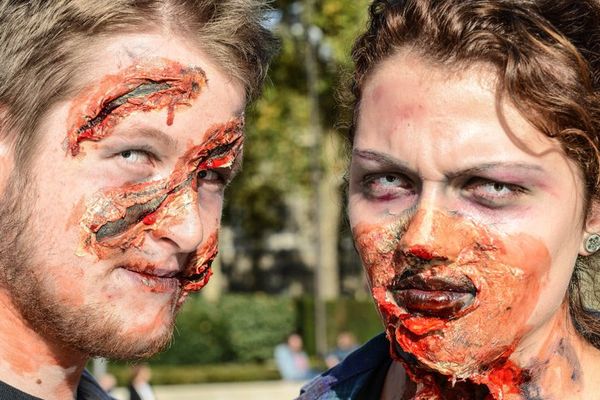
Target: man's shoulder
{"x": 8, "y": 392}
{"x": 345, "y": 380}
{"x": 88, "y": 389}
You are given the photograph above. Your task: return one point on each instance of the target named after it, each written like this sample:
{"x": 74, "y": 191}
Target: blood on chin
{"x": 451, "y": 333}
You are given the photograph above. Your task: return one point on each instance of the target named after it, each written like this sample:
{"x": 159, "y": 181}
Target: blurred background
{"x": 287, "y": 262}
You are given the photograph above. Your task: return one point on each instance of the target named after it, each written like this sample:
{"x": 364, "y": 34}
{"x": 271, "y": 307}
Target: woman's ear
{"x": 591, "y": 235}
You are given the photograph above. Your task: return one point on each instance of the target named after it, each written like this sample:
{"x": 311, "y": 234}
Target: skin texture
{"x": 468, "y": 222}
{"x": 119, "y": 216}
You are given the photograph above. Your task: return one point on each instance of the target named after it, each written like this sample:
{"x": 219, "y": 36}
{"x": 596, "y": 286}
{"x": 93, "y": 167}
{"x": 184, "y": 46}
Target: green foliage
{"x": 344, "y": 314}
{"x": 278, "y": 150}
{"x": 200, "y": 336}
{"x": 257, "y": 324}
{"x": 244, "y": 328}
{"x": 191, "y": 374}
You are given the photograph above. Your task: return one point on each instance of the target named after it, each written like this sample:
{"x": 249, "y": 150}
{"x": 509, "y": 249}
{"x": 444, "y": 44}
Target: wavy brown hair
{"x": 546, "y": 54}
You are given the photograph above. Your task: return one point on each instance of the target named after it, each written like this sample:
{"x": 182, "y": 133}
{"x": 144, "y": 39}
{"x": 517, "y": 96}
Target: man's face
{"x": 468, "y": 221}
{"x": 122, "y": 206}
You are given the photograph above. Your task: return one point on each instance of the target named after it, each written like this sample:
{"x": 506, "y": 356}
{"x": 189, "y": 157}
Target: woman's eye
{"x": 493, "y": 193}
{"x": 387, "y": 186}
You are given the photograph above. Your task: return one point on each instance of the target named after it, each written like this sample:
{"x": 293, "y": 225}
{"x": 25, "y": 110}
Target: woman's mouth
{"x": 433, "y": 296}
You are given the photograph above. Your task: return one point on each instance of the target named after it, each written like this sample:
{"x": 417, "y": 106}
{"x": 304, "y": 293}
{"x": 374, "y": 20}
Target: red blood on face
{"x": 149, "y": 219}
{"x": 117, "y": 218}
{"x": 474, "y": 339}
{"x": 146, "y": 87}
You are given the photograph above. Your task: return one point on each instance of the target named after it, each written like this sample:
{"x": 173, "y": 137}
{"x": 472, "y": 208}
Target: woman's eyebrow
{"x": 380, "y": 158}
{"x": 502, "y": 166}
{"x": 508, "y": 166}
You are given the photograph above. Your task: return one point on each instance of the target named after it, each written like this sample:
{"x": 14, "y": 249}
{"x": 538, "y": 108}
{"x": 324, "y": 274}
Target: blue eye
{"x": 492, "y": 193}
{"x": 135, "y": 156}
{"x": 388, "y": 180}
{"x": 387, "y": 186}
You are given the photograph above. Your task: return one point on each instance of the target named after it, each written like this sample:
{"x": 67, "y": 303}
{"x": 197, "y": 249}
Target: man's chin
{"x": 134, "y": 346}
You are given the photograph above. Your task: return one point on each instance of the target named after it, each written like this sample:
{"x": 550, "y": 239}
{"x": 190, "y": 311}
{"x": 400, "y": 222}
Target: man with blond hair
{"x": 121, "y": 123}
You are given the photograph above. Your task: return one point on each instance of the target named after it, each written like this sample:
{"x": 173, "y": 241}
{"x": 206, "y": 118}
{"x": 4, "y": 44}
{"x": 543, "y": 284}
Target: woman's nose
{"x": 434, "y": 233}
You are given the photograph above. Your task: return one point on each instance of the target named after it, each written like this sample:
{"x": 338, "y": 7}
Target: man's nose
{"x": 183, "y": 226}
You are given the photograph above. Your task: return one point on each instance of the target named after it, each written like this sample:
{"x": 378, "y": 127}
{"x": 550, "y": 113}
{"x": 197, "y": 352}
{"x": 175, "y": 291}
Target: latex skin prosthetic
{"x": 118, "y": 218}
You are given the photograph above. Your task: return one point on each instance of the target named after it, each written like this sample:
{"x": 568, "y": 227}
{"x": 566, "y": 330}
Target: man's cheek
{"x": 198, "y": 270}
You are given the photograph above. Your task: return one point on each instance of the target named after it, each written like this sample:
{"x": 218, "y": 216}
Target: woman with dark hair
{"x": 474, "y": 200}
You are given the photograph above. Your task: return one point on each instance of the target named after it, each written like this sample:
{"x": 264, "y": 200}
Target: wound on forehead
{"x": 149, "y": 86}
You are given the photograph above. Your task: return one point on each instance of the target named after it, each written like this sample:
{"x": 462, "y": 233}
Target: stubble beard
{"x": 88, "y": 330}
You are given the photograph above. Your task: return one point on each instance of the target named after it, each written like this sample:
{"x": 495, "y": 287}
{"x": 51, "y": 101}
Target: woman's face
{"x": 468, "y": 219}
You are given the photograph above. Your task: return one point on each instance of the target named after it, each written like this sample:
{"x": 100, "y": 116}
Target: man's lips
{"x": 433, "y": 296}
{"x": 155, "y": 281}
{"x": 162, "y": 279}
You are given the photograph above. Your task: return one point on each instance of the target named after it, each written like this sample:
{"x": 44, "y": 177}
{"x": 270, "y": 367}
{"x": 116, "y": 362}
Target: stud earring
{"x": 592, "y": 243}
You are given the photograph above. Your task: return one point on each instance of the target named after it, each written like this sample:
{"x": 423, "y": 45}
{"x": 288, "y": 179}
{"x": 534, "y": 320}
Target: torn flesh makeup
{"x": 456, "y": 306}
{"x": 142, "y": 87}
{"x": 117, "y": 219}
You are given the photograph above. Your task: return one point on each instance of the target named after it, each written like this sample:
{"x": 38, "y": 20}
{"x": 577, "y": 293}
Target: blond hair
{"x": 43, "y": 43}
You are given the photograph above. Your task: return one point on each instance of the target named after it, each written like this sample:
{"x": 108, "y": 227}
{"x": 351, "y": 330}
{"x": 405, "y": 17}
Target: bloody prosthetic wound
{"x": 154, "y": 86}
{"x": 118, "y": 218}
{"x": 458, "y": 303}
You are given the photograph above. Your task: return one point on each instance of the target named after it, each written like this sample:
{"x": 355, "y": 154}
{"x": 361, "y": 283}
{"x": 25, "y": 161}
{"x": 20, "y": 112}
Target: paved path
{"x": 268, "y": 390}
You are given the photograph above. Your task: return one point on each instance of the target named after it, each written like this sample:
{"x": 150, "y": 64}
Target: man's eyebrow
{"x": 152, "y": 133}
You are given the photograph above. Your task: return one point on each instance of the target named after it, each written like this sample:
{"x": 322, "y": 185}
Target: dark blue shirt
{"x": 359, "y": 377}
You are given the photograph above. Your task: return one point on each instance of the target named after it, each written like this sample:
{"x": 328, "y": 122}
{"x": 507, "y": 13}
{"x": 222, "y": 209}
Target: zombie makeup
{"x": 456, "y": 303}
{"x": 141, "y": 87}
{"x": 117, "y": 219}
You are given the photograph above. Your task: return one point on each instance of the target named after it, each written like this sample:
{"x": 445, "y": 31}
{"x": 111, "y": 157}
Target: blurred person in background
{"x": 139, "y": 386}
{"x": 292, "y": 361}
{"x": 474, "y": 200}
{"x": 121, "y": 124}
{"x": 108, "y": 382}
{"x": 346, "y": 344}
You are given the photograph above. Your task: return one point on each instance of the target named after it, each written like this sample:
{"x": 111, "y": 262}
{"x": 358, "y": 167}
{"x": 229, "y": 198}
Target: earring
{"x": 592, "y": 243}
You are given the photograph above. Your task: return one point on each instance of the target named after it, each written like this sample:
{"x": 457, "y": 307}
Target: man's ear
{"x": 7, "y": 154}
{"x": 591, "y": 229}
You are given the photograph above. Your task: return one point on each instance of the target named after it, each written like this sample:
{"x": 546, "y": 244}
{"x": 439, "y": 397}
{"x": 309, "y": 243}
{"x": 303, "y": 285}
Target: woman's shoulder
{"x": 348, "y": 379}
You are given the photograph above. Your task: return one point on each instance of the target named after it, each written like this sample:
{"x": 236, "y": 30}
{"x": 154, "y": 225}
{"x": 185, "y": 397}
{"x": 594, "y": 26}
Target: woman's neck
{"x": 554, "y": 362}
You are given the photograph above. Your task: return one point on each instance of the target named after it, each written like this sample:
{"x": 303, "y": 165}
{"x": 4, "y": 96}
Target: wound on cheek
{"x": 198, "y": 270}
{"x": 141, "y": 87}
{"x": 116, "y": 219}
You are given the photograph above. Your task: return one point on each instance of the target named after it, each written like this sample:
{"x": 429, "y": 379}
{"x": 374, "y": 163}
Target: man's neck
{"x": 555, "y": 363}
{"x": 32, "y": 363}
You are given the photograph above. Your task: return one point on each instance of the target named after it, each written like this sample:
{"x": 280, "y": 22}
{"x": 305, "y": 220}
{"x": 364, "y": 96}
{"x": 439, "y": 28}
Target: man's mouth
{"x": 161, "y": 280}
{"x": 433, "y": 296}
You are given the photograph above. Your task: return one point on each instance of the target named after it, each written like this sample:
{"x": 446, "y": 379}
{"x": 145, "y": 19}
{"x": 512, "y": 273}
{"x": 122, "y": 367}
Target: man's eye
{"x": 136, "y": 156}
{"x": 207, "y": 175}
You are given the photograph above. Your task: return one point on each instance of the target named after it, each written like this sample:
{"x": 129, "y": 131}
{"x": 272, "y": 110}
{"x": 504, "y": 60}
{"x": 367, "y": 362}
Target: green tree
{"x": 294, "y": 150}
